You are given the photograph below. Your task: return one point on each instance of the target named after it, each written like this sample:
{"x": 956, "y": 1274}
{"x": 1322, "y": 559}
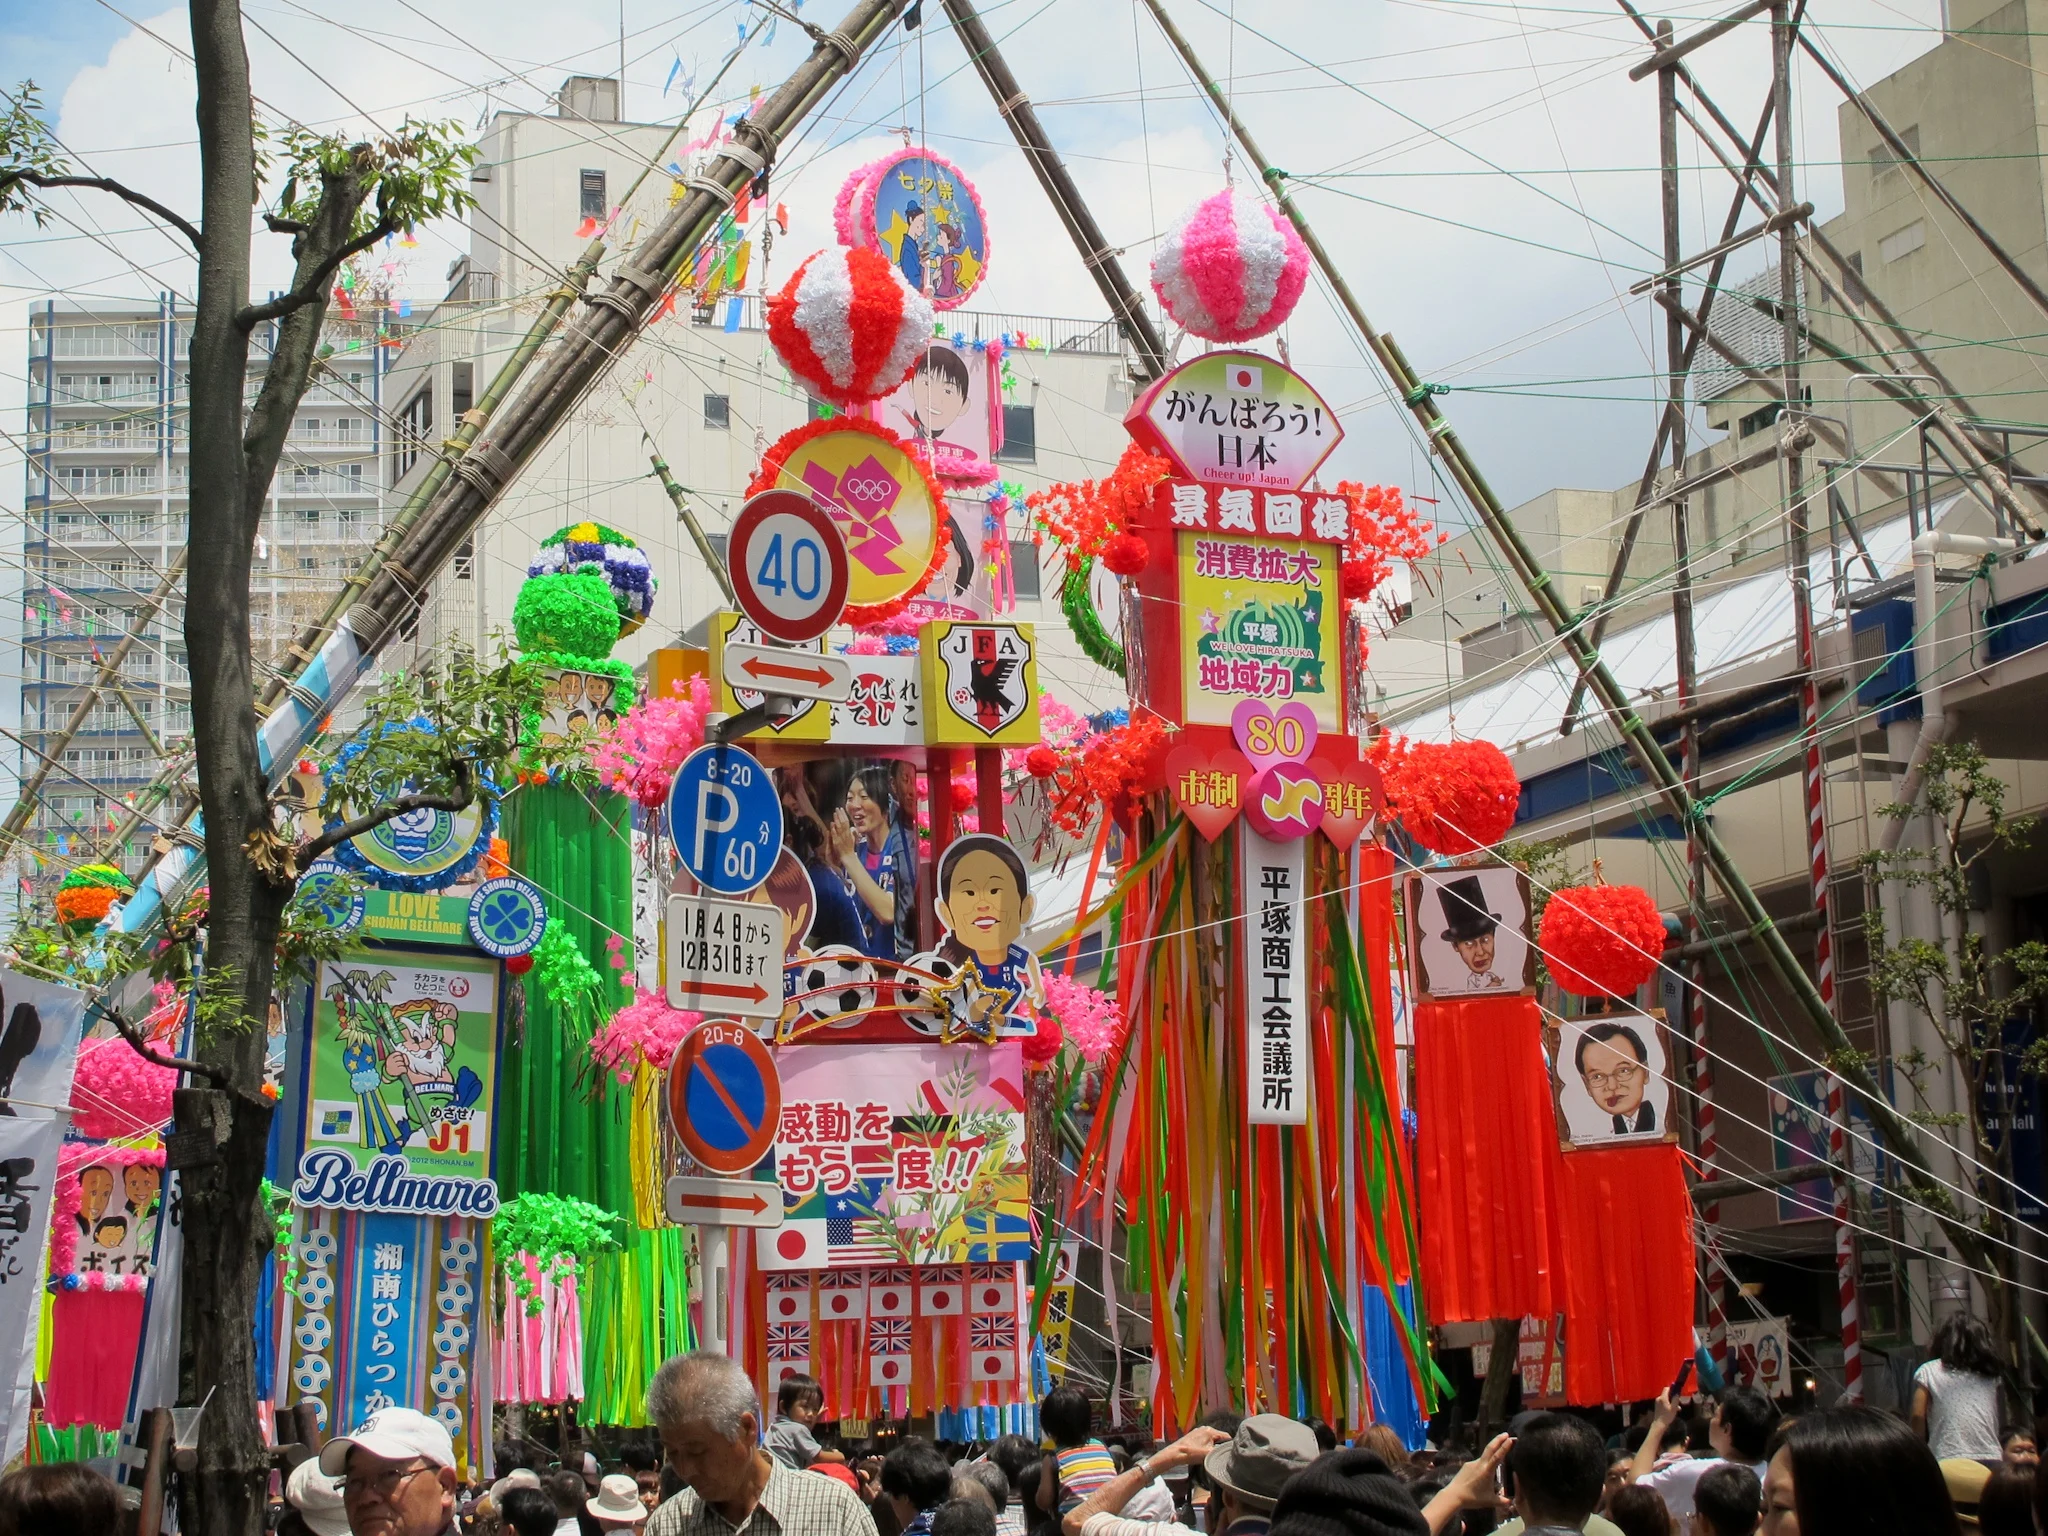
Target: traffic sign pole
{"x": 714, "y": 1255}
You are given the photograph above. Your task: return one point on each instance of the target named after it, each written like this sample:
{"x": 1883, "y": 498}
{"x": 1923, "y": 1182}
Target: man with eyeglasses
{"x": 1614, "y": 1065}
{"x": 397, "y": 1474}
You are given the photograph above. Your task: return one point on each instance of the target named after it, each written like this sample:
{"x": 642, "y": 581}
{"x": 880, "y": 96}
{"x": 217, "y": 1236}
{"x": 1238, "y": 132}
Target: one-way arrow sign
{"x": 723, "y": 1202}
{"x": 723, "y": 957}
{"x": 793, "y": 674}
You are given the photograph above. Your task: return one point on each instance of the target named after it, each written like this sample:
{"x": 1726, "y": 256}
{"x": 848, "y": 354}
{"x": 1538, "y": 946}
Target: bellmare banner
{"x": 402, "y": 1085}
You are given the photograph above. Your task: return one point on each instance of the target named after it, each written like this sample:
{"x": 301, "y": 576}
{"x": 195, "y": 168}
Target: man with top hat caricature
{"x": 1470, "y": 930}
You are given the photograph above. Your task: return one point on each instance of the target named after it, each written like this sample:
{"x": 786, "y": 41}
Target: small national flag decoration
{"x": 789, "y": 1341}
{"x": 889, "y": 1351}
{"x": 780, "y": 1371}
{"x": 991, "y": 1288}
{"x": 842, "y": 1298}
{"x": 940, "y": 1292}
{"x": 889, "y": 1293}
{"x": 789, "y": 1298}
{"x": 992, "y": 1348}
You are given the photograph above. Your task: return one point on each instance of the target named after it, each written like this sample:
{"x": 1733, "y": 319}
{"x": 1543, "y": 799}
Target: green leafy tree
{"x": 339, "y": 196}
{"x": 1976, "y": 1003}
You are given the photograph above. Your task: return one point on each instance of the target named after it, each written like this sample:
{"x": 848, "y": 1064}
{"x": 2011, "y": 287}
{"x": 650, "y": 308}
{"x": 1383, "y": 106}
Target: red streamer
{"x": 1627, "y": 1294}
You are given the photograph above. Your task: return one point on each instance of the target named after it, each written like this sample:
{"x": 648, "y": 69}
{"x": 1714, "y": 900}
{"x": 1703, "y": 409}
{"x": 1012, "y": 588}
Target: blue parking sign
{"x": 725, "y": 819}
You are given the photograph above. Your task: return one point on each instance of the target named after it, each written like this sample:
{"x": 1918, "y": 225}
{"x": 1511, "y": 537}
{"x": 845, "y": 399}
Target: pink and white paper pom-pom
{"x": 848, "y": 325}
{"x": 1231, "y": 268}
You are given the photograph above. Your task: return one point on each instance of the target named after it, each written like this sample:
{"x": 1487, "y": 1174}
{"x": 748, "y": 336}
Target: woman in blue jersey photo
{"x": 878, "y": 855}
{"x": 984, "y": 901}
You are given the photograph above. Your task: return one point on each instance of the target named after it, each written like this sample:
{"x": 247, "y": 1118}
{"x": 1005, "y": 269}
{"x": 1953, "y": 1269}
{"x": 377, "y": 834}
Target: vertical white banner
{"x": 1276, "y": 977}
{"x": 40, "y": 1025}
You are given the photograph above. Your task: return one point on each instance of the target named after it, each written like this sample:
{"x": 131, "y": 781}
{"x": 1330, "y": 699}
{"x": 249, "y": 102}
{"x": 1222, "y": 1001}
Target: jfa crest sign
{"x": 981, "y": 684}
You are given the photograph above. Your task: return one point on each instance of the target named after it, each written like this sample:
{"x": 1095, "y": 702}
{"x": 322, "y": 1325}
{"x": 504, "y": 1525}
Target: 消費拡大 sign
{"x": 402, "y": 1077}
{"x": 1236, "y": 418}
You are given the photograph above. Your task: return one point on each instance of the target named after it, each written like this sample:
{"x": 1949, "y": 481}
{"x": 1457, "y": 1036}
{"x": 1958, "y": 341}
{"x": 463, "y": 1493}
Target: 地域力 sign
{"x": 1237, "y": 419}
{"x": 724, "y": 956}
{"x": 725, "y": 819}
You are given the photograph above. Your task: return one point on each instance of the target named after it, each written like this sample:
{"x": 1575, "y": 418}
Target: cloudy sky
{"x": 1483, "y": 170}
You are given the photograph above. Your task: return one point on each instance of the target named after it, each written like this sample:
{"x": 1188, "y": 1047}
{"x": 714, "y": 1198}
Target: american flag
{"x": 853, "y": 1235}
{"x": 991, "y": 1333}
{"x": 789, "y": 1341}
{"x": 888, "y": 1335}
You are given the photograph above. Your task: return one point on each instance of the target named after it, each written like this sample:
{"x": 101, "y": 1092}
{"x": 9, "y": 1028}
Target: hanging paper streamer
{"x": 1627, "y": 1293}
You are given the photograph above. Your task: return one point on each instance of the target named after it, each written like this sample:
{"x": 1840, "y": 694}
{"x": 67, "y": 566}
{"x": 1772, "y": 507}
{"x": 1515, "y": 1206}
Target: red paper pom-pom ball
{"x": 848, "y": 325}
{"x": 1126, "y": 554}
{"x": 1601, "y": 940}
{"x": 1357, "y": 580}
{"x": 1042, "y": 1047}
{"x": 1456, "y": 797}
{"x": 519, "y": 965}
{"x": 1042, "y": 762}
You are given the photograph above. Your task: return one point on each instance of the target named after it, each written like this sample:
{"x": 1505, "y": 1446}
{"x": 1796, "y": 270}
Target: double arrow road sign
{"x": 793, "y": 674}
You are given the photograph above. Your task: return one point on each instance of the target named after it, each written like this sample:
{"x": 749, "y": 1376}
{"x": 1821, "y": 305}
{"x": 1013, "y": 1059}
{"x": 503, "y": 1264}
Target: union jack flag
{"x": 888, "y": 1335}
{"x": 789, "y": 1341}
{"x": 991, "y": 1333}
{"x": 888, "y": 1277}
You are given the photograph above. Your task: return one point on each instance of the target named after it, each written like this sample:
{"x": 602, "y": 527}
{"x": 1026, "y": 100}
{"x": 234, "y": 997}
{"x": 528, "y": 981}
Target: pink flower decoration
{"x": 646, "y": 1029}
{"x": 1231, "y": 268}
{"x": 641, "y": 751}
{"x": 1091, "y": 1018}
{"x": 118, "y": 1093}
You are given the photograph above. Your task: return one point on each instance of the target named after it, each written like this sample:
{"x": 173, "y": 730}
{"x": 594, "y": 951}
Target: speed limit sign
{"x": 788, "y": 565}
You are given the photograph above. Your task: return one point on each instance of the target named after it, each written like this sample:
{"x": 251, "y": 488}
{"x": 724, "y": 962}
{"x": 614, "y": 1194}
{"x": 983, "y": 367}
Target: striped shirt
{"x": 792, "y": 1504}
{"x": 1083, "y": 1469}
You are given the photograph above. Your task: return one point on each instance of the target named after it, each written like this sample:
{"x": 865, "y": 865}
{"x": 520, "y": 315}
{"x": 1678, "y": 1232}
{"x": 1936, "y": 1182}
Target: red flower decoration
{"x": 1383, "y": 530}
{"x": 1601, "y": 940}
{"x": 1454, "y": 797}
{"x": 1087, "y": 515}
{"x": 519, "y": 965}
{"x": 1111, "y": 772}
{"x": 1042, "y": 1047}
{"x": 1041, "y": 762}
{"x": 848, "y": 325}
{"x": 1126, "y": 554}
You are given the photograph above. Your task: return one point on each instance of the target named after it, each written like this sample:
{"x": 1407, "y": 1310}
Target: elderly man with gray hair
{"x": 709, "y": 1417}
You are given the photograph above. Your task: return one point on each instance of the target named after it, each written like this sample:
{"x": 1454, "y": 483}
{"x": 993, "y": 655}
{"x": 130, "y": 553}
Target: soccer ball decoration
{"x": 848, "y": 325}
{"x": 838, "y": 984}
{"x": 1230, "y": 268}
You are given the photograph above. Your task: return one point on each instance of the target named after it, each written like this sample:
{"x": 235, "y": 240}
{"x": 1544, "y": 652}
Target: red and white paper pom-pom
{"x": 848, "y": 325}
{"x": 1231, "y": 268}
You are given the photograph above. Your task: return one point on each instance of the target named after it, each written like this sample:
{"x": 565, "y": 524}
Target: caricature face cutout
{"x": 139, "y": 1183}
{"x": 1614, "y": 1074}
{"x": 984, "y": 904}
{"x": 95, "y": 1194}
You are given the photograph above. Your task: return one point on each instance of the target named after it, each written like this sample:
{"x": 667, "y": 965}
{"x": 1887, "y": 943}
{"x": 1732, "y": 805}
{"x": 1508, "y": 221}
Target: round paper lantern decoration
{"x": 1601, "y": 940}
{"x": 594, "y": 549}
{"x": 569, "y": 613}
{"x": 1231, "y": 268}
{"x": 848, "y": 325}
{"x": 1456, "y": 797}
{"x": 120, "y": 1092}
{"x": 881, "y": 494}
{"x": 923, "y": 214}
{"x": 88, "y": 893}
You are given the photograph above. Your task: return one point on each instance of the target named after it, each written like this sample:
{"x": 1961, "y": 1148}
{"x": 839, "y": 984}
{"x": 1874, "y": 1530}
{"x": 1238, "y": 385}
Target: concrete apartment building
{"x": 705, "y": 384}
{"x": 104, "y": 514}
{"x": 1469, "y": 658}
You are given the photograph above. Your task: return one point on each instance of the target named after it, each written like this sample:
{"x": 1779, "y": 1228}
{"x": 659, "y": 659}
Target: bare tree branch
{"x": 391, "y": 810}
{"x": 141, "y": 200}
{"x": 315, "y": 286}
{"x": 150, "y": 1053}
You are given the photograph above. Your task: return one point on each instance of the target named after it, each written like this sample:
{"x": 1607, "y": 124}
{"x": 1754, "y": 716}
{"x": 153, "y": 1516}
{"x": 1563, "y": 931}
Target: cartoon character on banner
{"x": 1470, "y": 933}
{"x": 951, "y": 405}
{"x": 1609, "y": 1075}
{"x": 409, "y": 1046}
{"x": 982, "y": 982}
{"x": 922, "y": 213}
{"x": 106, "y": 1216}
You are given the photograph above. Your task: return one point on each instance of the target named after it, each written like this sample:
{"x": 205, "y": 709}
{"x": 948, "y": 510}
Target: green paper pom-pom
{"x": 96, "y": 876}
{"x": 572, "y": 613}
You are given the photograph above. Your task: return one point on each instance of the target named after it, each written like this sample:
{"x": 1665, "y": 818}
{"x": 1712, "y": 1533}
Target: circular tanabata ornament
{"x": 424, "y": 849}
{"x": 919, "y": 211}
{"x": 594, "y": 549}
{"x": 1601, "y": 940}
{"x": 89, "y": 893}
{"x": 883, "y": 499}
{"x": 1230, "y": 268}
{"x": 848, "y": 326}
{"x": 570, "y": 613}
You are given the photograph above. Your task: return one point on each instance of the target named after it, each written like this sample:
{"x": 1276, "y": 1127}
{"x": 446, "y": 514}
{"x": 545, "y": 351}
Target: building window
{"x": 346, "y": 428}
{"x": 592, "y": 184}
{"x": 1902, "y": 242}
{"x": 461, "y": 390}
{"x": 309, "y": 426}
{"x": 718, "y": 411}
{"x": 465, "y": 559}
{"x": 1756, "y": 421}
{"x": 1024, "y": 568}
{"x": 415, "y": 426}
{"x": 1020, "y": 434}
{"x": 1883, "y": 162}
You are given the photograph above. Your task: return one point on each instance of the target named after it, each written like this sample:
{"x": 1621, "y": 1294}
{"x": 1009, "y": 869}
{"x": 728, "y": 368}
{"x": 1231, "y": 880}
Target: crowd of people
{"x": 1730, "y": 1467}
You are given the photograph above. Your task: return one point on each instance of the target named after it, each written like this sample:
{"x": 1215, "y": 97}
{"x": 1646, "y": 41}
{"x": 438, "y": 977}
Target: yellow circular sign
{"x": 877, "y": 494}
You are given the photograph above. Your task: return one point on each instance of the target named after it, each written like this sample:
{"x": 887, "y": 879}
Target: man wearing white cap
{"x": 317, "y": 1498}
{"x": 617, "y": 1506}
{"x": 397, "y": 1474}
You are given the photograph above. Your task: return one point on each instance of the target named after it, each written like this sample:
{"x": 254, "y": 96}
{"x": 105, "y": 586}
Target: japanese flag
{"x": 942, "y": 1295}
{"x": 842, "y": 1300}
{"x": 888, "y": 1296}
{"x": 889, "y": 1370}
{"x": 1244, "y": 379}
{"x": 780, "y": 1369}
{"x": 788, "y": 1304}
{"x": 797, "y": 1244}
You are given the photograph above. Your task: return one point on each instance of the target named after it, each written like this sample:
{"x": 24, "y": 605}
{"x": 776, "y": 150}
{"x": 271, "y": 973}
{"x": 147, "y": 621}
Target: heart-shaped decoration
{"x": 1269, "y": 736}
{"x": 1354, "y": 798}
{"x": 1209, "y": 784}
{"x": 1286, "y": 801}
